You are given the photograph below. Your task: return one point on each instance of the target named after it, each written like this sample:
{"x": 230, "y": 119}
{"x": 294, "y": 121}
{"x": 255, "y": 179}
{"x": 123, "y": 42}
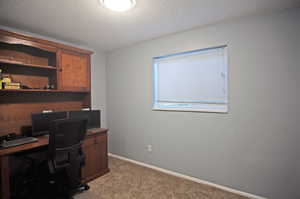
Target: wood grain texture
{"x": 32, "y": 81}
{"x": 22, "y": 64}
{"x": 13, "y": 37}
{"x": 16, "y": 117}
{"x": 23, "y": 57}
{"x": 95, "y": 142}
{"x": 37, "y": 63}
{"x": 18, "y": 39}
{"x": 96, "y": 162}
{"x": 31, "y": 77}
{"x": 44, "y": 141}
{"x": 46, "y": 91}
{"x": 74, "y": 71}
{"x": 5, "y": 170}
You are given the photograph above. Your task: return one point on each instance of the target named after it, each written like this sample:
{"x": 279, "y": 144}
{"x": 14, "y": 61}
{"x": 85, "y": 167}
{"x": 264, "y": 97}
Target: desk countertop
{"x": 42, "y": 141}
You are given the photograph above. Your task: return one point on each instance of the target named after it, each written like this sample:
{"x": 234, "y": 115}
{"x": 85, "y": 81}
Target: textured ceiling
{"x": 86, "y": 22}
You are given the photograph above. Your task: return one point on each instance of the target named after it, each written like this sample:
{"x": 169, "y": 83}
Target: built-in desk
{"x": 94, "y": 147}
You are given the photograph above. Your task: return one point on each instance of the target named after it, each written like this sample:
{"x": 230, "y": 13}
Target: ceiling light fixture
{"x": 118, "y": 5}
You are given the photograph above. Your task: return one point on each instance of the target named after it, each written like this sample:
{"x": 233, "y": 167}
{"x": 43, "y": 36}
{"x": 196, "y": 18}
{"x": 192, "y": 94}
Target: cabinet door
{"x": 91, "y": 159}
{"x": 74, "y": 71}
{"x": 102, "y": 149}
{"x": 95, "y": 149}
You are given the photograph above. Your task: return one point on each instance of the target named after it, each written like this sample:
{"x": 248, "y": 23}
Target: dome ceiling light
{"x": 118, "y": 5}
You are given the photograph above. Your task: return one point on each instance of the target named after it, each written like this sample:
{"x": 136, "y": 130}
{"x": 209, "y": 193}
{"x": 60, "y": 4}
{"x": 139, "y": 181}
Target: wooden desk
{"x": 94, "y": 146}
{"x": 38, "y": 63}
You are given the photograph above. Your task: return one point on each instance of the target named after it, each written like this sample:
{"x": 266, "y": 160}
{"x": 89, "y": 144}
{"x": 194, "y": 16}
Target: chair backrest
{"x": 66, "y": 138}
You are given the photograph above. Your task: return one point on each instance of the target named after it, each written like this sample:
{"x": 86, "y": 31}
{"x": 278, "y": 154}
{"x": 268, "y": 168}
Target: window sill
{"x": 209, "y": 109}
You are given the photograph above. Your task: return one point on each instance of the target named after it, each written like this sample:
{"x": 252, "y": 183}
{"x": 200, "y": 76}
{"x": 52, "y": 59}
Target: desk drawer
{"x": 94, "y": 140}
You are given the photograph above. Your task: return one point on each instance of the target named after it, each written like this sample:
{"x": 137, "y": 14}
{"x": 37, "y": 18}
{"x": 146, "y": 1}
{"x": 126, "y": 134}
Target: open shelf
{"x": 39, "y": 91}
{"x": 11, "y": 62}
{"x": 36, "y": 64}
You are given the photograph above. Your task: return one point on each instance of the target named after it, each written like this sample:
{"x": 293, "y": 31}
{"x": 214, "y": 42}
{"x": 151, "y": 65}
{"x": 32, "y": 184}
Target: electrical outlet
{"x": 149, "y": 147}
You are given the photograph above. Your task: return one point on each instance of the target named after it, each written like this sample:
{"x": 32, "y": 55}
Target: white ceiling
{"x": 86, "y": 22}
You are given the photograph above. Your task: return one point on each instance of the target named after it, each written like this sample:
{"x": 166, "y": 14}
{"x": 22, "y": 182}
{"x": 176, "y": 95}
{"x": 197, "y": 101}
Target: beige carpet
{"x": 131, "y": 181}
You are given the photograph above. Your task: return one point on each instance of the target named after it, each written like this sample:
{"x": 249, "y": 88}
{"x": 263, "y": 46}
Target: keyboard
{"x": 19, "y": 141}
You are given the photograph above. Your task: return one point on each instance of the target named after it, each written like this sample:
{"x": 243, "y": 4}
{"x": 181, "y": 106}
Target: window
{"x": 192, "y": 81}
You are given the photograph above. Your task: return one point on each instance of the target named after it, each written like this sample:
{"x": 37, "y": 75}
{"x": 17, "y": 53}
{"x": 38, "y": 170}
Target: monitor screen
{"x": 92, "y": 116}
{"x": 41, "y": 121}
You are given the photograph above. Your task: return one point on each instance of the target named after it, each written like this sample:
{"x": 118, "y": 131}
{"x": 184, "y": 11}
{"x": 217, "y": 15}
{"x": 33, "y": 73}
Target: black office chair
{"x": 65, "y": 156}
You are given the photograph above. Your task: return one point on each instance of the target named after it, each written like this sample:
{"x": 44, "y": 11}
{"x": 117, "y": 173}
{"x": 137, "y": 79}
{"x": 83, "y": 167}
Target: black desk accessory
{"x": 12, "y": 139}
{"x": 92, "y": 117}
{"x": 41, "y": 122}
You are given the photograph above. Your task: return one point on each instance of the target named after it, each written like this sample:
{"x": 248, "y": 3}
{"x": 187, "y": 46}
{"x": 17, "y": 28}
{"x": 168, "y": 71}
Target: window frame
{"x": 186, "y": 106}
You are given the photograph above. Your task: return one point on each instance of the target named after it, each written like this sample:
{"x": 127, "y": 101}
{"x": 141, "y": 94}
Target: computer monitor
{"x": 93, "y": 117}
{"x": 41, "y": 122}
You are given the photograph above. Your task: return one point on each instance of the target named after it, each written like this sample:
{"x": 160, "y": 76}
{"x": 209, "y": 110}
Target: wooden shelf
{"x": 38, "y": 91}
{"x": 11, "y": 62}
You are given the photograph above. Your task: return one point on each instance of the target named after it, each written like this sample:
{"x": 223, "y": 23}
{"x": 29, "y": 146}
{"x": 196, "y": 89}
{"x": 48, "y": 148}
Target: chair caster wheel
{"x": 86, "y": 187}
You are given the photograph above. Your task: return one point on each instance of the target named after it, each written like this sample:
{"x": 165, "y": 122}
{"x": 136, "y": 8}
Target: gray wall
{"x": 298, "y": 55}
{"x": 98, "y": 68}
{"x": 99, "y": 84}
{"x": 254, "y": 148}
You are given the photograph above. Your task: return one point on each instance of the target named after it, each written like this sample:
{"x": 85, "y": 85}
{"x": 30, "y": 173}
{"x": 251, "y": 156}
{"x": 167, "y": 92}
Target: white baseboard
{"x": 252, "y": 196}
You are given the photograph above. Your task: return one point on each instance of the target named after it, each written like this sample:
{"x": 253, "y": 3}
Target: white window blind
{"x": 192, "y": 81}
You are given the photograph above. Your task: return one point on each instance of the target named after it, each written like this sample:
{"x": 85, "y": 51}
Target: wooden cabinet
{"x": 74, "y": 71}
{"x": 96, "y": 162}
{"x": 94, "y": 146}
{"x": 50, "y": 75}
